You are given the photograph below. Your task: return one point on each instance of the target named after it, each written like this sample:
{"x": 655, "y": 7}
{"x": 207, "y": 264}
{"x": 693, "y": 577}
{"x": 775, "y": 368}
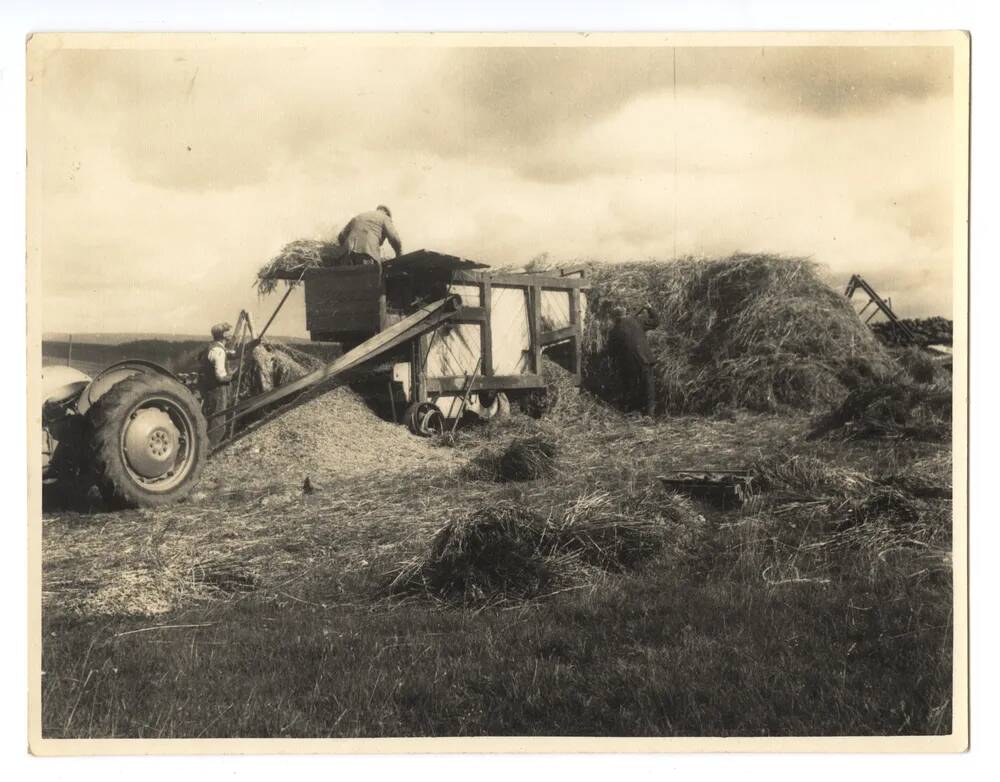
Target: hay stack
{"x": 758, "y": 332}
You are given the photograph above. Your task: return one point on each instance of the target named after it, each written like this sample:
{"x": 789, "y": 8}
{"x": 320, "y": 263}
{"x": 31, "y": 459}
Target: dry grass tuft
{"x": 809, "y": 475}
{"x": 898, "y": 409}
{"x": 923, "y": 366}
{"x": 507, "y": 552}
{"x": 524, "y": 459}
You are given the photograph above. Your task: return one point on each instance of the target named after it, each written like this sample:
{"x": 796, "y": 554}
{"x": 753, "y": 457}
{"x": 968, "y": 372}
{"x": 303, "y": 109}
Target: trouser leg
{"x": 647, "y": 387}
{"x": 629, "y": 373}
{"x": 215, "y": 405}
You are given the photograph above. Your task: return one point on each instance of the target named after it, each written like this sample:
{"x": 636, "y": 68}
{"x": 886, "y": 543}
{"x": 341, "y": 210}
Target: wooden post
{"x": 421, "y": 348}
{"x": 535, "y": 322}
{"x": 576, "y": 349}
{"x": 486, "y": 333}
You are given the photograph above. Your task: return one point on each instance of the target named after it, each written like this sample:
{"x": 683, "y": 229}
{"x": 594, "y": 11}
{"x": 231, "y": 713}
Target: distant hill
{"x": 173, "y": 351}
{"x": 124, "y": 337}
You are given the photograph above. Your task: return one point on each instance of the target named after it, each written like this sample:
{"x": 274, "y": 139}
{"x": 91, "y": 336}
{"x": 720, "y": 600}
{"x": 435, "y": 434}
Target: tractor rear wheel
{"x": 148, "y": 441}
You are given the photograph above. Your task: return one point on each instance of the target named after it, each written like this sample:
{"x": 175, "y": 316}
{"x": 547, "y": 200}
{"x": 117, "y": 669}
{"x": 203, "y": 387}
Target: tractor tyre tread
{"x": 104, "y": 418}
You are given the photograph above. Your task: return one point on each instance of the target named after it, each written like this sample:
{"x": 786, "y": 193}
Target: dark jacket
{"x": 627, "y": 339}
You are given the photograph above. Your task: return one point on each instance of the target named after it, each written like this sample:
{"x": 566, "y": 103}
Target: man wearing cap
{"x": 629, "y": 350}
{"x": 363, "y": 236}
{"x": 214, "y": 380}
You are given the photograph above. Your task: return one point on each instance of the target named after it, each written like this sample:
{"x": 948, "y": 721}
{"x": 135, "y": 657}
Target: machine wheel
{"x": 148, "y": 441}
{"x": 425, "y": 419}
{"x": 493, "y": 405}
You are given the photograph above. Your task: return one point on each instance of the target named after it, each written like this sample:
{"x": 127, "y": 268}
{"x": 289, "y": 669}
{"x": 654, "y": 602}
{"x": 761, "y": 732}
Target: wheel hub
{"x": 151, "y": 442}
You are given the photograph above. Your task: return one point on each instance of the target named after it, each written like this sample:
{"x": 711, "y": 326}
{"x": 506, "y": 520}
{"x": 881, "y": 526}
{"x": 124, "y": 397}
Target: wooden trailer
{"x": 487, "y": 352}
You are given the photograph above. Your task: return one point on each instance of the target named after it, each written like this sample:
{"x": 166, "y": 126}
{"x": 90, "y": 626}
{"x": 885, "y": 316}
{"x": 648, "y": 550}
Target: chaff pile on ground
{"x": 758, "y": 332}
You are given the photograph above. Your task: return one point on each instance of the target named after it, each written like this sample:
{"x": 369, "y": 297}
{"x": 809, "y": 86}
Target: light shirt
{"x": 366, "y": 232}
{"x": 217, "y": 358}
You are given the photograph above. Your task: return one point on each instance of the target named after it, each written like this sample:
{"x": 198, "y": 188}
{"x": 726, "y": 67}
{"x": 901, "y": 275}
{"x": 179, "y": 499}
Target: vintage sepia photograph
{"x": 479, "y": 387}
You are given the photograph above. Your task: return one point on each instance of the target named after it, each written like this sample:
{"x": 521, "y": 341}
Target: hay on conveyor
{"x": 757, "y": 332}
{"x": 271, "y": 365}
{"x": 294, "y": 258}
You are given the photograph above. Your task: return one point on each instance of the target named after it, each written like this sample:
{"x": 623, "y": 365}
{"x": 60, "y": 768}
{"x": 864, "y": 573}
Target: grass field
{"x": 821, "y": 608}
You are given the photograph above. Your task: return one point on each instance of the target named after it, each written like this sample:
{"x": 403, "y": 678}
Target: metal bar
{"x": 465, "y": 396}
{"x": 857, "y": 281}
{"x": 281, "y": 303}
{"x": 240, "y": 322}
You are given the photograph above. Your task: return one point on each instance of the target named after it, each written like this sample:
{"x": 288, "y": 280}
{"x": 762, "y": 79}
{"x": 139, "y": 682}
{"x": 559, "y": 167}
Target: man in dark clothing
{"x": 363, "y": 236}
{"x": 629, "y": 350}
{"x": 213, "y": 381}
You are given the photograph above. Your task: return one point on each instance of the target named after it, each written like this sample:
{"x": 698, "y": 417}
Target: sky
{"x": 167, "y": 177}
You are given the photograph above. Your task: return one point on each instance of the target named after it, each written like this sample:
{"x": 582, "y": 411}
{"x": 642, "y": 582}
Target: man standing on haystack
{"x": 213, "y": 383}
{"x": 362, "y": 237}
{"x": 629, "y": 350}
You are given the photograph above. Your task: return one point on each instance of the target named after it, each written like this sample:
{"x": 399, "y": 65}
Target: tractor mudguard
{"x": 116, "y": 373}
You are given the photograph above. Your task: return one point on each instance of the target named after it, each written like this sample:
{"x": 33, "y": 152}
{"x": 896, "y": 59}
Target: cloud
{"x": 829, "y": 81}
{"x": 169, "y": 177}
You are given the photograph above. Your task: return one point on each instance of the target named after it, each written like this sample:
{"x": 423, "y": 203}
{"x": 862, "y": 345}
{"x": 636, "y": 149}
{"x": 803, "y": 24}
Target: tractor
{"x": 135, "y": 431}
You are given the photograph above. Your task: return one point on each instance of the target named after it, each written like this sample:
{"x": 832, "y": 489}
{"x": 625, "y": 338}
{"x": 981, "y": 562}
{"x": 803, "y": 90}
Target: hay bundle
{"x": 619, "y": 532}
{"x": 294, "y": 258}
{"x": 273, "y": 364}
{"x": 892, "y": 410}
{"x": 507, "y": 552}
{"x": 493, "y": 554}
{"x": 757, "y": 332}
{"x": 525, "y": 459}
{"x": 923, "y": 366}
